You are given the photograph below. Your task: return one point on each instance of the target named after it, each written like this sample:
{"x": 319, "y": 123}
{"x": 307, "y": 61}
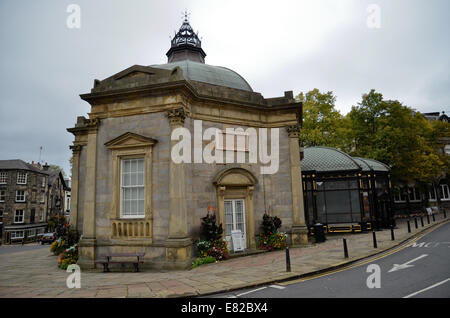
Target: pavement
{"x": 34, "y": 272}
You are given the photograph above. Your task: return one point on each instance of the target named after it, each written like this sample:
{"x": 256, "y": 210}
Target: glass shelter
{"x": 344, "y": 193}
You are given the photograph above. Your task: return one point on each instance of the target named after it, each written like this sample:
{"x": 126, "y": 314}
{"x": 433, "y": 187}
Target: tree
{"x": 395, "y": 134}
{"x": 58, "y": 168}
{"x": 322, "y": 125}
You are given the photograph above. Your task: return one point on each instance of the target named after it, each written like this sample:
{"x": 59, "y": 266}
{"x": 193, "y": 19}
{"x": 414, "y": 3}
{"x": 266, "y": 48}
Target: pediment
{"x": 139, "y": 71}
{"x": 235, "y": 177}
{"x": 135, "y": 74}
{"x": 130, "y": 140}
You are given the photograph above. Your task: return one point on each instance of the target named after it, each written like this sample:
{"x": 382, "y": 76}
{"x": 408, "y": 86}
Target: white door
{"x": 235, "y": 220}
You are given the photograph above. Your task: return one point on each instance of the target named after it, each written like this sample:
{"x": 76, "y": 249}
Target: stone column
{"x": 178, "y": 244}
{"x": 87, "y": 242}
{"x": 74, "y": 186}
{"x": 299, "y": 230}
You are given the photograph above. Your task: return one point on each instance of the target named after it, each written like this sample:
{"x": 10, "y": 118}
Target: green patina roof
{"x": 325, "y": 159}
{"x": 215, "y": 75}
{"x": 371, "y": 164}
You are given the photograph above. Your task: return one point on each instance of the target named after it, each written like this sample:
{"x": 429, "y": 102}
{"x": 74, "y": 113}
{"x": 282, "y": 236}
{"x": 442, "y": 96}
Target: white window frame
{"x": 20, "y": 179}
{"x": 16, "y": 215}
{"x": 3, "y": 177}
{"x": 31, "y": 231}
{"x": 415, "y": 194}
{"x": 443, "y": 196}
{"x": 433, "y": 190}
{"x": 2, "y": 195}
{"x": 399, "y": 197}
{"x": 43, "y": 182}
{"x": 42, "y": 200}
{"x": 18, "y": 195}
{"x": 138, "y": 214}
{"x": 15, "y": 233}
{"x": 41, "y": 215}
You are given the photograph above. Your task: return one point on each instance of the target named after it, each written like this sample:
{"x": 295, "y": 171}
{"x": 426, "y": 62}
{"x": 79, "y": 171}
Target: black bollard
{"x": 433, "y": 217}
{"x": 392, "y": 233}
{"x": 428, "y": 218}
{"x": 415, "y": 222}
{"x": 288, "y": 260}
{"x": 421, "y": 221}
{"x": 345, "y": 248}
{"x": 409, "y": 227}
{"x": 374, "y": 239}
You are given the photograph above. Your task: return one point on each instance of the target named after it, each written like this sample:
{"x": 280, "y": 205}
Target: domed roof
{"x": 215, "y": 75}
{"x": 325, "y": 159}
{"x": 371, "y": 165}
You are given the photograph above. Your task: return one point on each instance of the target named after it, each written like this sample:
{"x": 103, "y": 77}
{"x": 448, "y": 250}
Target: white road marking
{"x": 277, "y": 286}
{"x": 251, "y": 291}
{"x": 406, "y": 265}
{"x": 428, "y": 288}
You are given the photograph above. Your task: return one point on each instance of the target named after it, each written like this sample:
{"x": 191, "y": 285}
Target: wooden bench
{"x": 108, "y": 260}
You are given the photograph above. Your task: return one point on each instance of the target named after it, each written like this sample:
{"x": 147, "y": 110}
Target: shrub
{"x": 69, "y": 256}
{"x": 58, "y": 246}
{"x": 219, "y": 249}
{"x": 203, "y": 247}
{"x": 273, "y": 241}
{"x": 210, "y": 231}
{"x": 203, "y": 260}
{"x": 270, "y": 224}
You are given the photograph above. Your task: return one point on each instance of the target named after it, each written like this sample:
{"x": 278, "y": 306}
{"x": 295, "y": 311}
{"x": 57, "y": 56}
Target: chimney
{"x": 46, "y": 166}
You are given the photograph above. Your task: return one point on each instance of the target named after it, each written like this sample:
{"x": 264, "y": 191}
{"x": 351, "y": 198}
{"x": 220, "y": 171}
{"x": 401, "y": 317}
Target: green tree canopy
{"x": 322, "y": 125}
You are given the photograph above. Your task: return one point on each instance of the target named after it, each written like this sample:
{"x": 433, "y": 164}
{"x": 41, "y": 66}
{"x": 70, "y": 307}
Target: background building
{"x": 23, "y": 201}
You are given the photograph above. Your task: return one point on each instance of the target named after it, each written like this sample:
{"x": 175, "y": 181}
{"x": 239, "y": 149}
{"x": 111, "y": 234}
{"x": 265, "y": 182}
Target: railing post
{"x": 345, "y": 248}
{"x": 288, "y": 260}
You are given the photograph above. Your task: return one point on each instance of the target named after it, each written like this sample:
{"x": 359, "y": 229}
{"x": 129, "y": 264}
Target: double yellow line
{"x": 370, "y": 260}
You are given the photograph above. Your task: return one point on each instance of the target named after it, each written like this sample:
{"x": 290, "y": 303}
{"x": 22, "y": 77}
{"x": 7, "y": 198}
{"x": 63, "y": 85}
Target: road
{"x": 417, "y": 269}
{"x": 6, "y": 249}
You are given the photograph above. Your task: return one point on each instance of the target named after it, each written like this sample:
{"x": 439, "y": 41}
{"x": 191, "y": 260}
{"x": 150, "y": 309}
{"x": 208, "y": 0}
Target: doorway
{"x": 235, "y": 219}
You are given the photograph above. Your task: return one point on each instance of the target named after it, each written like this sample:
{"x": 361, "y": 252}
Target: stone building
{"x": 128, "y": 193}
{"x": 23, "y": 201}
{"x": 57, "y": 189}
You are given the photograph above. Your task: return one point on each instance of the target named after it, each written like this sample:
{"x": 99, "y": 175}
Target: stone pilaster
{"x": 74, "y": 186}
{"x": 87, "y": 242}
{"x": 299, "y": 230}
{"x": 178, "y": 244}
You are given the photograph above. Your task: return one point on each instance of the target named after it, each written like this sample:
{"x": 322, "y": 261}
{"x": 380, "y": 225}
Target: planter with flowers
{"x": 211, "y": 243}
{"x": 271, "y": 239}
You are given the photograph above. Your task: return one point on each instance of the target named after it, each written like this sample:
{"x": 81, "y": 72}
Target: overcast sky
{"x": 276, "y": 45}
